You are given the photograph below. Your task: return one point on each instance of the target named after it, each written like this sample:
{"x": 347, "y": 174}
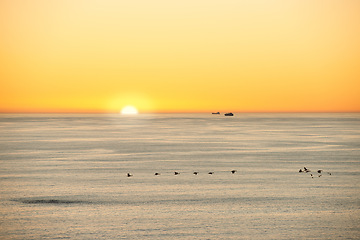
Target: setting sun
{"x": 129, "y": 110}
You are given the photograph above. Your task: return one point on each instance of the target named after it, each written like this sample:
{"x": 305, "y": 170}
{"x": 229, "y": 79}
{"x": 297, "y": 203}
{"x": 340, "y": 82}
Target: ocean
{"x": 64, "y": 176}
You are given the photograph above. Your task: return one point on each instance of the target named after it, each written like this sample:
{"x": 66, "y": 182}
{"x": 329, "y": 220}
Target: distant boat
{"x": 229, "y": 114}
{"x": 216, "y": 113}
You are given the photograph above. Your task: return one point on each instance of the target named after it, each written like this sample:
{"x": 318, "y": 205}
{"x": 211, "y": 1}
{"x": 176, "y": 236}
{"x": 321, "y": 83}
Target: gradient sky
{"x": 180, "y": 56}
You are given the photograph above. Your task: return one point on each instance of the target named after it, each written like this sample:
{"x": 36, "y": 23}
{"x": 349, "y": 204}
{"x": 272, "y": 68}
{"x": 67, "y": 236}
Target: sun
{"x": 129, "y": 110}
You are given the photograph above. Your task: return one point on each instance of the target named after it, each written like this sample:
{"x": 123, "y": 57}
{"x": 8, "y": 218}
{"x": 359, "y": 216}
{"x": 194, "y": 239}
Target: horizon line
{"x": 167, "y": 112}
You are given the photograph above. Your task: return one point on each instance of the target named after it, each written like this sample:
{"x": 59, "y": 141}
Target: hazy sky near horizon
{"x": 179, "y": 56}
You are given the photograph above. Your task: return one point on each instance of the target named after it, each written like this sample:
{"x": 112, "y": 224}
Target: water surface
{"x": 65, "y": 176}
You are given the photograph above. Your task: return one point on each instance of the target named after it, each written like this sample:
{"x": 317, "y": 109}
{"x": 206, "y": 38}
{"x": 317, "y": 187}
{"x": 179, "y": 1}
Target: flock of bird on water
{"x": 177, "y": 173}
{"x": 302, "y": 170}
{"x": 306, "y": 170}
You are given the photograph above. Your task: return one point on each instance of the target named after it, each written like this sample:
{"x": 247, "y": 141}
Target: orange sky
{"x": 180, "y": 56}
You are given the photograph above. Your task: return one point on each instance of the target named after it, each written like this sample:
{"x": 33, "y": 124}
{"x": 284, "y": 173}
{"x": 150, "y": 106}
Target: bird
{"x": 211, "y": 173}
{"x": 157, "y": 174}
{"x": 300, "y": 170}
{"x": 176, "y": 173}
{"x": 233, "y": 171}
{"x": 195, "y": 173}
{"x": 319, "y": 171}
{"x": 129, "y": 175}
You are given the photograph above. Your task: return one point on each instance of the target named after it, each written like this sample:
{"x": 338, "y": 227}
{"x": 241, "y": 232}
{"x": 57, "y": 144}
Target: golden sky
{"x": 180, "y": 56}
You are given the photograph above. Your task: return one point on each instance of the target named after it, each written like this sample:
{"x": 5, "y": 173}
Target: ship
{"x": 229, "y": 114}
{"x": 216, "y": 113}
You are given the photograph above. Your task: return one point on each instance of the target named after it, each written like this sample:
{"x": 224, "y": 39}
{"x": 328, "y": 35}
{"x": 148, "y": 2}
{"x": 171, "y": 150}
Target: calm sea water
{"x": 65, "y": 176}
